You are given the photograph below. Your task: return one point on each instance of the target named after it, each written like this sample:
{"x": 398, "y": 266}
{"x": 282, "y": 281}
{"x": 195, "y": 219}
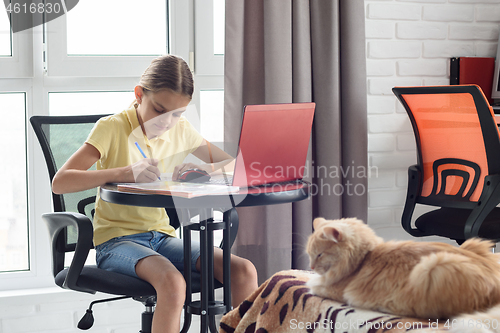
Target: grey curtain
{"x": 282, "y": 51}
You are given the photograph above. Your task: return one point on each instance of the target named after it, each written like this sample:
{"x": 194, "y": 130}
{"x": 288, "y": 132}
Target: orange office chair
{"x": 458, "y": 163}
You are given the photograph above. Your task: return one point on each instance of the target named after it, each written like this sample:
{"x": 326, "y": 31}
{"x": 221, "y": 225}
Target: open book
{"x": 185, "y": 190}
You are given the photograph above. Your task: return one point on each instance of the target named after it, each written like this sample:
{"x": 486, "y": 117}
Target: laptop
{"x": 273, "y": 144}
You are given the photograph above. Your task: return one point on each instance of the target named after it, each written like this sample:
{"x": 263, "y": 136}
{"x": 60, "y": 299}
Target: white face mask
{"x": 160, "y": 124}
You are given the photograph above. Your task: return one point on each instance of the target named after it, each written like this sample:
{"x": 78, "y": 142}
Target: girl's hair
{"x": 168, "y": 72}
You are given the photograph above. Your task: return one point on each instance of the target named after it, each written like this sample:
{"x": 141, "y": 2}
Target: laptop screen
{"x": 273, "y": 144}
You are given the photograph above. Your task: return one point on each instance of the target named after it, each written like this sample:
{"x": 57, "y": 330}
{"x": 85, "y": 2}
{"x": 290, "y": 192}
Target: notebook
{"x": 273, "y": 144}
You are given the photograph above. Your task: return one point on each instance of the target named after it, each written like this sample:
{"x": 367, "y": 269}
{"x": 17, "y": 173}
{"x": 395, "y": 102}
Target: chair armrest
{"x": 413, "y": 191}
{"x": 56, "y": 222}
{"x": 489, "y": 200}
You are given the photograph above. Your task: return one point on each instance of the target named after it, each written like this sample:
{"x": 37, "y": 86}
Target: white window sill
{"x": 54, "y": 293}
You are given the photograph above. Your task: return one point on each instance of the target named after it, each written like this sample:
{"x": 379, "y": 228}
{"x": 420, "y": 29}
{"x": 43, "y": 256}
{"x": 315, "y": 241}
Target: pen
{"x": 142, "y": 153}
{"x": 139, "y": 147}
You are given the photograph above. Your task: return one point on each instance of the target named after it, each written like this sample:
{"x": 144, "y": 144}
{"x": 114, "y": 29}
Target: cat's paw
{"x": 314, "y": 282}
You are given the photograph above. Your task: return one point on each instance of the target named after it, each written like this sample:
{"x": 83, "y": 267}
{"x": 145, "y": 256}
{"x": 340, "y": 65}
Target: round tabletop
{"x": 271, "y": 195}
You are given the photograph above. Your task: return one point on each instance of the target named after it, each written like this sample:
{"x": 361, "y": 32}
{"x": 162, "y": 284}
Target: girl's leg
{"x": 243, "y": 276}
{"x": 170, "y": 289}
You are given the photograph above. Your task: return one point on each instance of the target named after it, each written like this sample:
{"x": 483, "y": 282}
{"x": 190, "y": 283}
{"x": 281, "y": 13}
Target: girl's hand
{"x": 186, "y": 166}
{"x": 145, "y": 170}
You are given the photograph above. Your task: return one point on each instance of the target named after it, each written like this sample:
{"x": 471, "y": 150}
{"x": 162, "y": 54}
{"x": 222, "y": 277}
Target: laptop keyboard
{"x": 221, "y": 181}
{"x": 229, "y": 182}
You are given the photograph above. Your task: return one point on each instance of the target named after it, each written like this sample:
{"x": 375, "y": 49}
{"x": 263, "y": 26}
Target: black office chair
{"x": 71, "y": 230}
{"x": 458, "y": 167}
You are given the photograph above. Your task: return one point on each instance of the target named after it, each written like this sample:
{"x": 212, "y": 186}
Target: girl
{"x": 139, "y": 241}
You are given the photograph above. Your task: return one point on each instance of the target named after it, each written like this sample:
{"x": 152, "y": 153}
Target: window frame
{"x": 208, "y": 68}
{"x": 39, "y": 271}
{"x": 20, "y": 63}
{"x": 59, "y": 64}
{"x": 207, "y": 63}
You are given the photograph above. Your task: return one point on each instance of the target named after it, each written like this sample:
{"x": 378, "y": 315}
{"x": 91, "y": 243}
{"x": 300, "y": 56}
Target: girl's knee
{"x": 175, "y": 280}
{"x": 171, "y": 282}
{"x": 243, "y": 270}
{"x": 172, "y": 288}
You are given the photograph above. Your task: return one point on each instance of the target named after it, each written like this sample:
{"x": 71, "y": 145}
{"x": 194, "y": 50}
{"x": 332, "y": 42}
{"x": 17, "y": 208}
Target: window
{"x": 209, "y": 46}
{"x": 16, "y": 51}
{"x": 5, "y": 37}
{"x": 121, "y": 40}
{"x": 102, "y": 102}
{"x": 137, "y": 30}
{"x": 70, "y": 67}
{"x": 219, "y": 30}
{"x": 209, "y": 68}
{"x": 212, "y": 115}
{"x": 13, "y": 215}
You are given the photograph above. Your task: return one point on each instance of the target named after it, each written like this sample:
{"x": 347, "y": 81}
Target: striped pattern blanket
{"x": 284, "y": 304}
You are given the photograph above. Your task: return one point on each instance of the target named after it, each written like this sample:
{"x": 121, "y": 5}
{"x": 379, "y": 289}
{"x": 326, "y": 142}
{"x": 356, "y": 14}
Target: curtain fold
{"x": 300, "y": 51}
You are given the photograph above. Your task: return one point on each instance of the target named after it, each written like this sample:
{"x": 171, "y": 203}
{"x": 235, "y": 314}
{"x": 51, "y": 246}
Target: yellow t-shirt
{"x": 114, "y": 137}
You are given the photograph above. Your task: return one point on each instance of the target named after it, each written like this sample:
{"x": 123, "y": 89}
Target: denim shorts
{"x": 121, "y": 254}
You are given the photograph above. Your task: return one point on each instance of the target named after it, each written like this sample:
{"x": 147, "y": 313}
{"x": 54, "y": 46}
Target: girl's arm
{"x": 74, "y": 175}
{"x": 222, "y": 161}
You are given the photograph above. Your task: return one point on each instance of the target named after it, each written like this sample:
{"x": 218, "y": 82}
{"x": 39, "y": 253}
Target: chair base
{"x": 147, "y": 315}
{"x": 92, "y": 277}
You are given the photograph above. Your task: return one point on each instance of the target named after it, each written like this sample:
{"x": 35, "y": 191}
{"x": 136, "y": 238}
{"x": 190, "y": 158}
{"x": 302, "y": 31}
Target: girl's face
{"x": 159, "y": 111}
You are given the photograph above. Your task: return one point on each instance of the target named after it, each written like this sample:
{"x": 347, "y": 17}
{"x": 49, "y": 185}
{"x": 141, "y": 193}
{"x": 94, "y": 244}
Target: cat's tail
{"x": 480, "y": 247}
{"x": 478, "y": 322}
{"x": 450, "y": 283}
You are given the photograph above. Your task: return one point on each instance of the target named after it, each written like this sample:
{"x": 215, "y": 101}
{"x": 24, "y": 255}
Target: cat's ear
{"x": 317, "y": 222}
{"x": 332, "y": 233}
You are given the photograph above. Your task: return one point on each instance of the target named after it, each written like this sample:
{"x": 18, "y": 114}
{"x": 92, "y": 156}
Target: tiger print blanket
{"x": 283, "y": 304}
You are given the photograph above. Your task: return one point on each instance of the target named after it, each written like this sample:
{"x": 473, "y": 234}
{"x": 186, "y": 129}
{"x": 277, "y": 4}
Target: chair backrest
{"x": 59, "y": 138}
{"x": 458, "y": 141}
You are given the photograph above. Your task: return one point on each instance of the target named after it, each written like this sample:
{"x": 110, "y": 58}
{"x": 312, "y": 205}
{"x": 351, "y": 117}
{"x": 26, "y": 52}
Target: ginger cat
{"x": 407, "y": 278}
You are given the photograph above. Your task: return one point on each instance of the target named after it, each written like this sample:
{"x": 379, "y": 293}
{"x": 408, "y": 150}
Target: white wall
{"x": 410, "y": 43}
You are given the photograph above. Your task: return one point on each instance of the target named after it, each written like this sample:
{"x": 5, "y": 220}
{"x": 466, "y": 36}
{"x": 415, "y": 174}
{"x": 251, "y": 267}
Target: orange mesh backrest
{"x": 449, "y": 128}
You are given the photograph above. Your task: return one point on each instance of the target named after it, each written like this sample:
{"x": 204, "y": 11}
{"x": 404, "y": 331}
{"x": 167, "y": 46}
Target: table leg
{"x": 226, "y": 248}
{"x": 204, "y": 254}
{"x": 186, "y": 236}
{"x": 210, "y": 273}
{"x": 207, "y": 307}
